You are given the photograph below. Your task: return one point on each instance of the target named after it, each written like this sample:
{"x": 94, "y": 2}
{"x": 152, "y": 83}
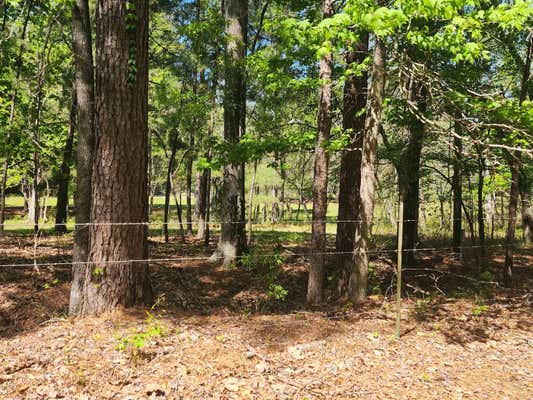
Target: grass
{"x": 382, "y": 224}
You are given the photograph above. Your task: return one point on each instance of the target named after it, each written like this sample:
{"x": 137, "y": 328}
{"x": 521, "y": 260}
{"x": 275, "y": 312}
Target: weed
{"x": 268, "y": 268}
{"x": 276, "y": 291}
{"x": 134, "y": 343}
{"x": 478, "y": 310}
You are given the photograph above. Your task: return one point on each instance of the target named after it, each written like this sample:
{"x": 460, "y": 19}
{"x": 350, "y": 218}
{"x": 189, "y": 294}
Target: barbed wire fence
{"x": 287, "y": 251}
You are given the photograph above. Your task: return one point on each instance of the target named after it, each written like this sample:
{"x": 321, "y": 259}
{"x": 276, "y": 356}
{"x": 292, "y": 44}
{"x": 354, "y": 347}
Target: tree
{"x": 353, "y": 121}
{"x": 64, "y": 173}
{"x": 232, "y": 238}
{"x": 116, "y": 275}
{"x": 315, "y": 284}
{"x": 359, "y": 277}
{"x": 85, "y": 118}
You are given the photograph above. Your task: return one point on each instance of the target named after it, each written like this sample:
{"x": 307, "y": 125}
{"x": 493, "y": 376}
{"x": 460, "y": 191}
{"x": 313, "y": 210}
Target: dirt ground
{"x": 214, "y": 334}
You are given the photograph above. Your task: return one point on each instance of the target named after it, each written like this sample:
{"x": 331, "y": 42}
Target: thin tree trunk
{"x": 201, "y": 206}
{"x": 36, "y": 169}
{"x": 204, "y": 195}
{"x": 409, "y": 173}
{"x": 188, "y": 193}
{"x": 119, "y": 176}
{"x": 207, "y": 208}
{"x": 64, "y": 173}
{"x": 525, "y": 185}
{"x": 457, "y": 187}
{"x": 178, "y": 210}
{"x": 13, "y": 103}
{"x": 168, "y": 185}
{"x": 527, "y": 217}
{"x": 251, "y": 205}
{"x": 232, "y": 239}
{"x": 85, "y": 116}
{"x": 515, "y": 165}
{"x": 359, "y": 278}
{"x": 283, "y": 176}
{"x": 315, "y": 284}
{"x": 355, "y": 97}
{"x": 511, "y": 223}
{"x": 481, "y": 205}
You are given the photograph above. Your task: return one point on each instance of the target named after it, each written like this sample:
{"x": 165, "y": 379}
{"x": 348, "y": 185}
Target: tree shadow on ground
{"x": 195, "y": 287}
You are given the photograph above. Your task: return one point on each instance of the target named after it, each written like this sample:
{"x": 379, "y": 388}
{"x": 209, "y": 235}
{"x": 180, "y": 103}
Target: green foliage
{"x": 478, "y": 310}
{"x": 268, "y": 268}
{"x": 135, "y": 342}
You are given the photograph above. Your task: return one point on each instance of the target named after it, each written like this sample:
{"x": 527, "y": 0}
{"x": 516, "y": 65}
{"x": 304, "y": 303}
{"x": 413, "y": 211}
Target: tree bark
{"x": 116, "y": 275}
{"x": 315, "y": 284}
{"x": 527, "y": 217}
{"x": 481, "y": 204}
{"x": 359, "y": 277}
{"x": 511, "y": 223}
{"x": 205, "y": 178}
{"x": 188, "y": 191}
{"x": 409, "y": 173}
{"x": 251, "y": 205}
{"x": 85, "y": 116}
{"x": 515, "y": 165}
{"x": 355, "y": 96}
{"x": 457, "y": 188}
{"x": 168, "y": 184}
{"x": 232, "y": 238}
{"x": 64, "y": 173}
{"x": 524, "y": 186}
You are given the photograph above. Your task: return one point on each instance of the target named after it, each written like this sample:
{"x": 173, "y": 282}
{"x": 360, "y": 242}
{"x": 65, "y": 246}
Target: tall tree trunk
{"x": 481, "y": 203}
{"x": 232, "y": 238}
{"x": 204, "y": 197}
{"x": 207, "y": 208}
{"x": 315, "y": 284}
{"x": 13, "y": 103}
{"x": 515, "y": 164}
{"x": 64, "y": 173}
{"x": 85, "y": 116}
{"x": 355, "y": 96}
{"x": 251, "y": 205}
{"x": 457, "y": 188}
{"x": 409, "y": 172}
{"x": 188, "y": 194}
{"x": 511, "y": 223}
{"x": 36, "y": 168}
{"x": 178, "y": 208}
{"x": 359, "y": 277}
{"x": 283, "y": 176}
{"x": 527, "y": 217}
{"x": 119, "y": 176}
{"x": 525, "y": 184}
{"x": 168, "y": 184}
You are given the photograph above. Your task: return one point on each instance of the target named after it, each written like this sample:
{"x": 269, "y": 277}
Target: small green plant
{"x": 135, "y": 342}
{"x": 478, "y": 310}
{"x": 53, "y": 283}
{"x": 486, "y": 276}
{"x": 276, "y": 291}
{"x": 347, "y": 307}
{"x": 268, "y": 268}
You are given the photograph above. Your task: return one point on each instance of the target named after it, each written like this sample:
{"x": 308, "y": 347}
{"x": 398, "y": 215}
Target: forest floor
{"x": 217, "y": 334}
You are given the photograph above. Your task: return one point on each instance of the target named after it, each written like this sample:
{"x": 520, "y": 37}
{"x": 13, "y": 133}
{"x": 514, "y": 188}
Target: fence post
{"x": 399, "y": 272}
